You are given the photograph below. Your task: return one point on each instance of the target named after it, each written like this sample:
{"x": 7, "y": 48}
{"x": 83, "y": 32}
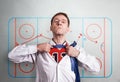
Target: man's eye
{"x": 63, "y": 21}
{"x": 56, "y": 20}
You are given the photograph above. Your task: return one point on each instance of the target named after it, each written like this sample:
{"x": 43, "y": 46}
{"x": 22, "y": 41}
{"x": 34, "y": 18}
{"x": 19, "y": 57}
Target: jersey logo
{"x": 57, "y": 53}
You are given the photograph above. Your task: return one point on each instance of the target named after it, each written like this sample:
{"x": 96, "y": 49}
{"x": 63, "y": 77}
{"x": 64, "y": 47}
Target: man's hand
{"x": 44, "y": 47}
{"x": 71, "y": 51}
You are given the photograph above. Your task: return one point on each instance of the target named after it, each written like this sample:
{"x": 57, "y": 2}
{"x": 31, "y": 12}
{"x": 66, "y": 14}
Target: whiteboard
{"x": 94, "y": 26}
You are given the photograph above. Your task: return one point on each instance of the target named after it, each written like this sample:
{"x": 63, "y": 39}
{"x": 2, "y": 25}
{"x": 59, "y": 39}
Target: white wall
{"x": 96, "y": 20}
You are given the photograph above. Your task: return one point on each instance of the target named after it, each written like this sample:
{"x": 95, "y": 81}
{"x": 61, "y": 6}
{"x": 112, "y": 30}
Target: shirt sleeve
{"x": 88, "y": 61}
{"x": 23, "y": 53}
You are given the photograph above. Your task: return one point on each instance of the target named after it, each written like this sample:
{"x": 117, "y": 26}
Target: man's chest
{"x": 58, "y": 53}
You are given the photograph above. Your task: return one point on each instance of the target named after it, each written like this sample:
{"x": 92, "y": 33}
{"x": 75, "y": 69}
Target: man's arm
{"x": 88, "y": 61}
{"x": 23, "y": 53}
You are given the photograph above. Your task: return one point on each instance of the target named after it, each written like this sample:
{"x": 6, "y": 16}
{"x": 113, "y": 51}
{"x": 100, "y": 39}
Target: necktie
{"x": 74, "y": 65}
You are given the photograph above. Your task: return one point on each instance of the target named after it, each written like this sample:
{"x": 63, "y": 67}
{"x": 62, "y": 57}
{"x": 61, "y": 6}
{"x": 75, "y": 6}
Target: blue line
{"x": 111, "y": 49}
{"x": 93, "y": 77}
{"x": 82, "y": 73}
{"x": 32, "y": 17}
{"x": 8, "y": 43}
{"x": 110, "y": 46}
{"x": 9, "y": 46}
{"x": 83, "y": 32}
{"x": 82, "y": 40}
{"x": 88, "y": 17}
{"x": 37, "y": 29}
{"x": 24, "y": 77}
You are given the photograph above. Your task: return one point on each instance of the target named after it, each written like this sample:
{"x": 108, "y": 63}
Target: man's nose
{"x": 59, "y": 22}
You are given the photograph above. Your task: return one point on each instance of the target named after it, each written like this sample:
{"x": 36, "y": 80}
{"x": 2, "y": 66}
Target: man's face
{"x": 59, "y": 25}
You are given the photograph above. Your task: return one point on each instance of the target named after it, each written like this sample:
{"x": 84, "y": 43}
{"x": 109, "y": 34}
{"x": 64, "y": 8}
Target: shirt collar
{"x": 53, "y": 43}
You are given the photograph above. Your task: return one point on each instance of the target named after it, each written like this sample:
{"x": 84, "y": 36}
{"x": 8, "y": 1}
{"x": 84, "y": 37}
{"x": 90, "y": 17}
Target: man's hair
{"x": 61, "y": 13}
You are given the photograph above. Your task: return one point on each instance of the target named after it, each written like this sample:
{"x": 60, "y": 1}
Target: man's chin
{"x": 59, "y": 34}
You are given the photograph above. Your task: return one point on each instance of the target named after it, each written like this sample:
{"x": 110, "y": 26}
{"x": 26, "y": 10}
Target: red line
{"x": 15, "y": 45}
{"x": 104, "y": 49}
{"x": 15, "y": 73}
{"x": 30, "y": 40}
{"x": 37, "y": 37}
{"x": 15, "y": 31}
{"x": 46, "y": 37}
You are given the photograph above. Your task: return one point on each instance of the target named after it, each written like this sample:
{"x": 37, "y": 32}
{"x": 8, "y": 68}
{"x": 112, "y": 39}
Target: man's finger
{"x": 67, "y": 45}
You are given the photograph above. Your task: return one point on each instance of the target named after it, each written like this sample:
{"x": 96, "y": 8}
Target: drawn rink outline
{"x": 94, "y": 32}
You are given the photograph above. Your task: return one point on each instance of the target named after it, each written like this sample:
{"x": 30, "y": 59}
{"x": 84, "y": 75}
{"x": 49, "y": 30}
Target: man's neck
{"x": 59, "y": 39}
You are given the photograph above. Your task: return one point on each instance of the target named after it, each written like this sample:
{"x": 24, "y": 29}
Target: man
{"x": 54, "y": 60}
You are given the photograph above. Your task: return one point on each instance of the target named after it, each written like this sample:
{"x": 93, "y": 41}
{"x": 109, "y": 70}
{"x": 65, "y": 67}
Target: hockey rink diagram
{"x": 92, "y": 33}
